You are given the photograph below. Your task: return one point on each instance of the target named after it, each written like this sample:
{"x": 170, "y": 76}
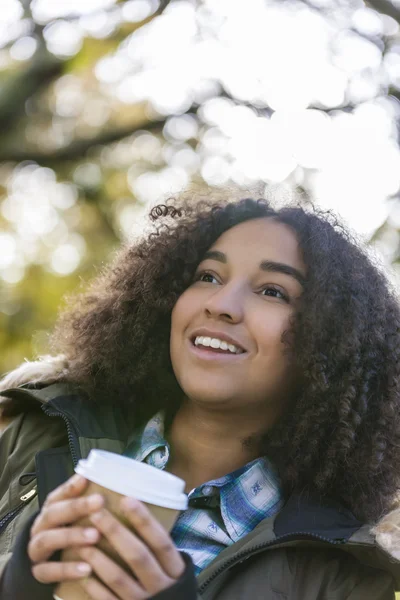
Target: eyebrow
{"x": 266, "y": 265}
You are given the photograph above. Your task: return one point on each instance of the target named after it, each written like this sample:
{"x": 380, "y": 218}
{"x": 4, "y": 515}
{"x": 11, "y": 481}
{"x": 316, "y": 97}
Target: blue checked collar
{"x": 244, "y": 496}
{"x": 148, "y": 444}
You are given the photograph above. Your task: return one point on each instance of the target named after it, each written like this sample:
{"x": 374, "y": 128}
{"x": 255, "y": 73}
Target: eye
{"x": 275, "y": 292}
{"x": 205, "y": 276}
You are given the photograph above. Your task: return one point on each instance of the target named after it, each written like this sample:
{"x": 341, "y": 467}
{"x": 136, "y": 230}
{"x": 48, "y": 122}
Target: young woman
{"x": 255, "y": 354}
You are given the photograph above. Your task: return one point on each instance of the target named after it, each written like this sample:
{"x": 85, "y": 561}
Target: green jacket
{"x": 311, "y": 550}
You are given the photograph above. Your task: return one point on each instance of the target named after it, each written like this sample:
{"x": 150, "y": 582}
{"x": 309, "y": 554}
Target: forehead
{"x": 262, "y": 239}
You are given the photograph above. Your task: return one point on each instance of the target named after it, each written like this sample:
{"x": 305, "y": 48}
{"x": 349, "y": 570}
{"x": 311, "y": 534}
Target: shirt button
{"x": 207, "y": 490}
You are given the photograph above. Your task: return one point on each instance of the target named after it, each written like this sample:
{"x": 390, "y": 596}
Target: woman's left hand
{"x": 154, "y": 559}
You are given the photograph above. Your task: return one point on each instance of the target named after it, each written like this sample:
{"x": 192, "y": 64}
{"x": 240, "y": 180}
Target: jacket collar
{"x": 307, "y": 511}
{"x": 88, "y": 418}
{"x": 307, "y": 520}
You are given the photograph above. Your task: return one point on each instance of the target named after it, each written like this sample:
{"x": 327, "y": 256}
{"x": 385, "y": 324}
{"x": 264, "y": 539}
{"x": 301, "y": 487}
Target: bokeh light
{"x": 108, "y": 109}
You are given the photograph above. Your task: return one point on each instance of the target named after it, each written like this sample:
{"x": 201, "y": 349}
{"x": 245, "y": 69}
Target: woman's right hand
{"x": 52, "y": 531}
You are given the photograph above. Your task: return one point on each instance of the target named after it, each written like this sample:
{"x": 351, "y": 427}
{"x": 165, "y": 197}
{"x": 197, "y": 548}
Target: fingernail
{"x": 83, "y": 568}
{"x": 75, "y": 480}
{"x": 95, "y": 500}
{"x": 129, "y": 503}
{"x": 90, "y": 534}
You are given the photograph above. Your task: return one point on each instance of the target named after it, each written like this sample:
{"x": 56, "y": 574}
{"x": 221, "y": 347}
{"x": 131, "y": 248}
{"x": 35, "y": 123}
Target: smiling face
{"x": 244, "y": 293}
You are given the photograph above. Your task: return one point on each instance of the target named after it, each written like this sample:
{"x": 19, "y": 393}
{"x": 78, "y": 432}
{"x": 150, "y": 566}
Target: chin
{"x": 209, "y": 394}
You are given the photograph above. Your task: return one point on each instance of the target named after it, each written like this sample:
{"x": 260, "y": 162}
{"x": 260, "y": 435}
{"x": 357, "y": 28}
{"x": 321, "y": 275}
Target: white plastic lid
{"x": 132, "y": 478}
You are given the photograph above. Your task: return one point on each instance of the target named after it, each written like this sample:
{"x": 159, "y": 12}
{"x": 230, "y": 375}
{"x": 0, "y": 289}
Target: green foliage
{"x": 82, "y": 149}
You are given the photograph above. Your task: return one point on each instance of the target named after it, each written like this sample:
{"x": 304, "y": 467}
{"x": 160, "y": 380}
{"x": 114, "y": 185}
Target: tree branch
{"x": 386, "y": 8}
{"x": 19, "y": 87}
{"x": 394, "y": 92}
{"x": 78, "y": 148}
{"x": 76, "y": 16}
{"x": 45, "y": 67}
{"x": 28, "y": 80}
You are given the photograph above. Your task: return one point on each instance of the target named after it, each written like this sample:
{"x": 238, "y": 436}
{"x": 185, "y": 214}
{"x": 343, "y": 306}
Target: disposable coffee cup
{"x": 114, "y": 476}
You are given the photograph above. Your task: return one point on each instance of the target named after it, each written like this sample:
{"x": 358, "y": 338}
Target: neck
{"x": 206, "y": 444}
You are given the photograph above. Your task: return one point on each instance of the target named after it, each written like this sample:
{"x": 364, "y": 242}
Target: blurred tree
{"x": 108, "y": 106}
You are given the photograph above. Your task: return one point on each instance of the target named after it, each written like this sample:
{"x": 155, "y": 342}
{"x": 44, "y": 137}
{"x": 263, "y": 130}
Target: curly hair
{"x": 341, "y": 432}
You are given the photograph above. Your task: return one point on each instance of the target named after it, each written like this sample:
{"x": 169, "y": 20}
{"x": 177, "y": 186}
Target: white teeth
{"x": 216, "y": 343}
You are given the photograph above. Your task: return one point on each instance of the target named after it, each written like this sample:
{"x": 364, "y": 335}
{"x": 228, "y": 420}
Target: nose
{"x": 227, "y": 303}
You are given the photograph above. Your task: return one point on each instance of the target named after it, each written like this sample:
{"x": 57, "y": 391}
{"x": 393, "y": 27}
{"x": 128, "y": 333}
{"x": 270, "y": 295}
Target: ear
{"x": 47, "y": 369}
{"x": 387, "y": 533}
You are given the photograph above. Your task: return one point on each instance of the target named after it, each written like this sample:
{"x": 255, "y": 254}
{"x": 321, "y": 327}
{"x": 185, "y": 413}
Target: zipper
{"x": 29, "y": 495}
{"x": 72, "y": 442}
{"x": 10, "y": 516}
{"x": 242, "y": 556}
{"x": 26, "y": 498}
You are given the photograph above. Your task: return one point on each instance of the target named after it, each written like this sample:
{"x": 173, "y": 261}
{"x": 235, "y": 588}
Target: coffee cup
{"x": 114, "y": 476}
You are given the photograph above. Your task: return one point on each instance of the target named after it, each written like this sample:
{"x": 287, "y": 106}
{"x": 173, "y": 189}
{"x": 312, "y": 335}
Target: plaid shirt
{"x": 220, "y": 511}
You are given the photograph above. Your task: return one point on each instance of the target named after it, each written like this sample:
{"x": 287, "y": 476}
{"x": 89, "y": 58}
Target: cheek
{"x": 181, "y": 315}
{"x": 268, "y": 332}
{"x": 181, "y": 320}
{"x": 174, "y": 326}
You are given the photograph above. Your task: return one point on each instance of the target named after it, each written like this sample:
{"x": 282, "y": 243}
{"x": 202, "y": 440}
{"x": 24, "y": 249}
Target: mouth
{"x": 215, "y": 354}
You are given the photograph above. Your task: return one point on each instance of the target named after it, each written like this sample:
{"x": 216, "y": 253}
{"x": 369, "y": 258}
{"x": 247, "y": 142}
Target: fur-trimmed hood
{"x": 51, "y": 369}
{"x": 47, "y": 369}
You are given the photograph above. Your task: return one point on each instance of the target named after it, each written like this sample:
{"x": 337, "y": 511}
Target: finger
{"x": 52, "y": 572}
{"x": 66, "y": 512}
{"x": 72, "y": 488}
{"x": 155, "y": 536}
{"x": 45, "y": 543}
{"x": 119, "y": 582}
{"x": 97, "y": 591}
{"x": 133, "y": 551}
